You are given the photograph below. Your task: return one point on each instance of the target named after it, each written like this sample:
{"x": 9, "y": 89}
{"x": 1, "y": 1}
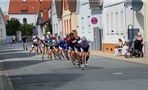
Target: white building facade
{"x": 56, "y": 17}
{"x": 89, "y": 21}
{"x": 118, "y": 17}
{"x": 2, "y": 28}
{"x": 31, "y": 18}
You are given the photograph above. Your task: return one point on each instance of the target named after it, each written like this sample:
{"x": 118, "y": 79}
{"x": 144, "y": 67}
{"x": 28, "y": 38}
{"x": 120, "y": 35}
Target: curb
{"x": 121, "y": 58}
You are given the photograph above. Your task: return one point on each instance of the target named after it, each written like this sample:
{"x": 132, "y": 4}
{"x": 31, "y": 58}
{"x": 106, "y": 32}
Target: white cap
{"x": 48, "y": 32}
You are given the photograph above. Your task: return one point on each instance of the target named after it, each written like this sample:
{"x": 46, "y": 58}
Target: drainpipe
{"x": 126, "y": 38}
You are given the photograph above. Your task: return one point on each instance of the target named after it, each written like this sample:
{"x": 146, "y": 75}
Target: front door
{"x": 97, "y": 44}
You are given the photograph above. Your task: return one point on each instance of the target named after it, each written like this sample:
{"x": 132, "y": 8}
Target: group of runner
{"x": 70, "y": 47}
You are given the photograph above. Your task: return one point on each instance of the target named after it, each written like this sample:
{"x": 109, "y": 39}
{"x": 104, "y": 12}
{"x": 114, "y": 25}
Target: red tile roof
{"x": 44, "y": 9}
{"x": 16, "y": 6}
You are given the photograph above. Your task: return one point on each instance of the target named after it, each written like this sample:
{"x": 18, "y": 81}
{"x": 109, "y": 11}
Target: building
{"x": 24, "y": 10}
{"x": 56, "y": 16}
{"x": 146, "y": 27}
{"x": 89, "y": 21}
{"x": 69, "y": 16}
{"x": 43, "y": 16}
{"x": 2, "y": 27}
{"x": 120, "y": 21}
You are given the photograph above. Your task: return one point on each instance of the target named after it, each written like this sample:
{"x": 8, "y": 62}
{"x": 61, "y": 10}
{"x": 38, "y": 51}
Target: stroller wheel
{"x": 142, "y": 55}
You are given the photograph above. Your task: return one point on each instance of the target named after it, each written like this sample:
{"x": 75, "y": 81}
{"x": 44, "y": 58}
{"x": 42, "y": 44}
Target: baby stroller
{"x": 135, "y": 50}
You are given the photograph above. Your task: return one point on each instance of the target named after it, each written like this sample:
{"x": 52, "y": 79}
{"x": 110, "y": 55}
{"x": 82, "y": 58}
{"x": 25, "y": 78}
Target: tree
{"x": 12, "y": 26}
{"x": 26, "y": 29}
{"x": 48, "y": 28}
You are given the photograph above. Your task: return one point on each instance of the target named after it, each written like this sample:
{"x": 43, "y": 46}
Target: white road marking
{"x": 146, "y": 72}
{"x": 16, "y": 78}
{"x": 117, "y": 73}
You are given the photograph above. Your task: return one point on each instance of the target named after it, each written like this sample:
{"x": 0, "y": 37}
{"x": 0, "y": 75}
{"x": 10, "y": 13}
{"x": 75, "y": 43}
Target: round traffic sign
{"x": 94, "y": 20}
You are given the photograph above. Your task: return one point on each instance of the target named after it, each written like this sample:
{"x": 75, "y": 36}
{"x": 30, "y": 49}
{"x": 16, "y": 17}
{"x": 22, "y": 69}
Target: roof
{"x": 45, "y": 4}
{"x": 17, "y": 6}
{"x": 72, "y": 5}
{"x": 58, "y": 5}
{"x": 43, "y": 14}
{"x": 94, "y": 4}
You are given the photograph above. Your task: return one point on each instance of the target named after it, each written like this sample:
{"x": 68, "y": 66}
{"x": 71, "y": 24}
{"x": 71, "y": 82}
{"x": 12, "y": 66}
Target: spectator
{"x": 125, "y": 48}
{"x": 138, "y": 43}
{"x": 118, "y": 50}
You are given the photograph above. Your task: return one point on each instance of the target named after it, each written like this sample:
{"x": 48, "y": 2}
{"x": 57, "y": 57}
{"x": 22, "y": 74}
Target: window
{"x": 112, "y": 23}
{"x": 0, "y": 20}
{"x": 122, "y": 21}
{"x": 23, "y": 11}
{"x": 57, "y": 27}
{"x": 54, "y": 29}
{"x": 67, "y": 27}
{"x": 70, "y": 25}
{"x": 117, "y": 23}
{"x": 24, "y": 21}
{"x": 1, "y": 33}
{"x": 82, "y": 24}
{"x": 107, "y": 21}
{"x": 24, "y": 0}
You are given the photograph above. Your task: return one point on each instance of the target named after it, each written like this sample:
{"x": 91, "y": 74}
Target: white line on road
{"x": 17, "y": 78}
{"x": 117, "y": 73}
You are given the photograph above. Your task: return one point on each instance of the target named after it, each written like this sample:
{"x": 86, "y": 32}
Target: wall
{"x": 56, "y": 22}
{"x": 146, "y": 28}
{"x": 117, "y": 17}
{"x": 66, "y": 16}
{"x": 31, "y": 18}
{"x": 84, "y": 14}
{"x": 73, "y": 20}
{"x": 2, "y": 30}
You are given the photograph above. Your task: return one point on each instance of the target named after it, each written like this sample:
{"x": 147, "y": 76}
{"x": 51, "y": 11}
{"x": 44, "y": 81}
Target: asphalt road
{"x": 31, "y": 73}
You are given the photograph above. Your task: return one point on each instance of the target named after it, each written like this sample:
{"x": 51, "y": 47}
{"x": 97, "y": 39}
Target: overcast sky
{"x": 4, "y": 4}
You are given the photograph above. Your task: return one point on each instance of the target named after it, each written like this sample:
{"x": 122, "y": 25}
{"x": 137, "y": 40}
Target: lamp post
{"x": 130, "y": 34}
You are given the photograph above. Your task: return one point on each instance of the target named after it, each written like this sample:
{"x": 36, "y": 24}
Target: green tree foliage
{"x": 48, "y": 28}
{"x": 26, "y": 29}
{"x": 12, "y": 26}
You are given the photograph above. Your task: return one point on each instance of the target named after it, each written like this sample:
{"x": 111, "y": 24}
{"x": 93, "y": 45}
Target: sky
{"x": 4, "y": 4}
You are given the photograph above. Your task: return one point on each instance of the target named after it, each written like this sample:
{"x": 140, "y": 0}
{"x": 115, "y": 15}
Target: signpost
{"x": 94, "y": 20}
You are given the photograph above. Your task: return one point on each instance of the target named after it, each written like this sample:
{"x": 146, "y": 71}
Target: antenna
{"x": 137, "y": 5}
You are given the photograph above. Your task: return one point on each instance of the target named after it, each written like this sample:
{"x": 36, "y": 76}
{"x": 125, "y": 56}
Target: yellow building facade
{"x": 146, "y": 27}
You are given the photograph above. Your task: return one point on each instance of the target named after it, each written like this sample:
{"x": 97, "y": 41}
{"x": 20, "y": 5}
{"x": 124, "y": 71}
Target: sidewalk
{"x": 5, "y": 82}
{"x": 110, "y": 55}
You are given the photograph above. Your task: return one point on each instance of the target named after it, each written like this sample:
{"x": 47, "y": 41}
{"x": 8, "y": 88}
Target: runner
{"x": 63, "y": 47}
{"x": 34, "y": 45}
{"x": 72, "y": 48}
{"x": 45, "y": 46}
{"x": 13, "y": 40}
{"x": 78, "y": 51}
{"x": 25, "y": 43}
{"x": 85, "y": 54}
